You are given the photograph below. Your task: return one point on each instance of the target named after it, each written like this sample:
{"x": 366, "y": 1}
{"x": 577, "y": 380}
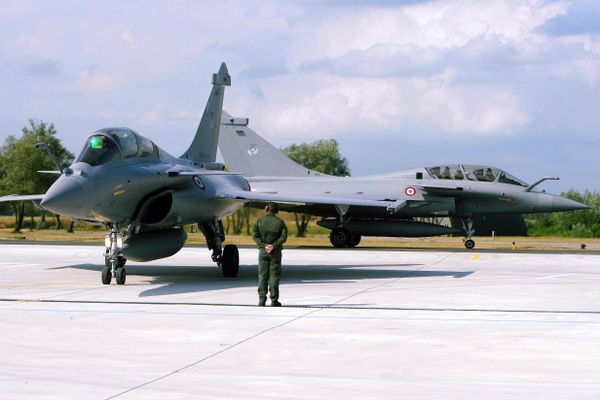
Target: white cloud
{"x": 153, "y": 116}
{"x": 446, "y": 67}
{"x": 91, "y": 81}
{"x": 128, "y": 37}
{"x": 331, "y": 106}
{"x": 461, "y": 113}
{"x": 440, "y": 25}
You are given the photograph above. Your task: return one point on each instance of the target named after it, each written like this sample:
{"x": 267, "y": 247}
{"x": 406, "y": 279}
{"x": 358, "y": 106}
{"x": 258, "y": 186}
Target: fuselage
{"x": 441, "y": 197}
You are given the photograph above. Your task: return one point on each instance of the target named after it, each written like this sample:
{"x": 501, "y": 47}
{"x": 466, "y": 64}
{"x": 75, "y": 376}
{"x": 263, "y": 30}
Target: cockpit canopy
{"x": 111, "y": 144}
{"x": 480, "y": 173}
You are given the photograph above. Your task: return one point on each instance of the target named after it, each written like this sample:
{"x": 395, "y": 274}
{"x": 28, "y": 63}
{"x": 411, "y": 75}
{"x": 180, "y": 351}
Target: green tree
{"x": 20, "y": 161}
{"x": 322, "y": 156}
{"x": 583, "y": 223}
{"x": 239, "y": 221}
{"x": 5, "y": 208}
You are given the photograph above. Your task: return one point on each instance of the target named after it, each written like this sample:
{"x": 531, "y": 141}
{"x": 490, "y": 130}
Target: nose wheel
{"x": 120, "y": 276}
{"x": 119, "y": 272}
{"x": 106, "y": 275}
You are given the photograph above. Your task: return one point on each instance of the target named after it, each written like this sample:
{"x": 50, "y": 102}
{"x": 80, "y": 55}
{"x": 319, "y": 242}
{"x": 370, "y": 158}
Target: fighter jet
{"x": 145, "y": 196}
{"x": 448, "y": 190}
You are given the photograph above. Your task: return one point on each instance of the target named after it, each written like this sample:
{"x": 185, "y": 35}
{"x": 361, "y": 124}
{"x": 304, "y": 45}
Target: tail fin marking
{"x": 246, "y": 152}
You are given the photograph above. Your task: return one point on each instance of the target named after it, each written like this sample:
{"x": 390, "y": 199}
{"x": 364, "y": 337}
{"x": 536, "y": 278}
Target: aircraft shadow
{"x": 188, "y": 279}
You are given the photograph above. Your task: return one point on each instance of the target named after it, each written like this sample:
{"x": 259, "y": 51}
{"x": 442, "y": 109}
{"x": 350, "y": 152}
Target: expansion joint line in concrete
{"x": 332, "y": 306}
{"x": 316, "y": 310}
{"x": 249, "y": 338}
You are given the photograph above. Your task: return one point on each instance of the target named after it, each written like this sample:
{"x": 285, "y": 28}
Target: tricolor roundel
{"x": 198, "y": 181}
{"x": 410, "y": 191}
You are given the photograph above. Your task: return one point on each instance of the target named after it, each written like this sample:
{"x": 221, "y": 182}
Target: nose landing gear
{"x": 469, "y": 231}
{"x": 114, "y": 263}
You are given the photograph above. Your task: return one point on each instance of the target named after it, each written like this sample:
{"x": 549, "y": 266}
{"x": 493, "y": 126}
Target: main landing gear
{"x": 341, "y": 237}
{"x": 228, "y": 257}
{"x": 114, "y": 263}
{"x": 469, "y": 232}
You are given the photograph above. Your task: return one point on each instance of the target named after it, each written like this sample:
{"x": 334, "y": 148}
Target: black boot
{"x": 262, "y": 302}
{"x": 275, "y": 303}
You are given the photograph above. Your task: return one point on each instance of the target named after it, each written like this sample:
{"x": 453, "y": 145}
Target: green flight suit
{"x": 269, "y": 229}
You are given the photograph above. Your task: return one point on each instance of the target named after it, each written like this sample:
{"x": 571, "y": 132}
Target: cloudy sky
{"x": 399, "y": 84}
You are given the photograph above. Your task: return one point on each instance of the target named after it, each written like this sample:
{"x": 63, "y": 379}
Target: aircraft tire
{"x": 106, "y": 275}
{"x": 121, "y": 276}
{"x": 354, "y": 240}
{"x": 469, "y": 243}
{"x": 230, "y": 264}
{"x": 339, "y": 238}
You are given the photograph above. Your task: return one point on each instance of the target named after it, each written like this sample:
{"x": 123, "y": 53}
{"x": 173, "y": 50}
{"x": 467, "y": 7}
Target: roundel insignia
{"x": 198, "y": 182}
{"x": 410, "y": 191}
{"x": 252, "y": 150}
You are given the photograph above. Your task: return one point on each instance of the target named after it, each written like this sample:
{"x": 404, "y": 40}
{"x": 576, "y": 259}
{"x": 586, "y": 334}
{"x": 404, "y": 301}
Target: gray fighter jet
{"x": 145, "y": 196}
{"x": 452, "y": 190}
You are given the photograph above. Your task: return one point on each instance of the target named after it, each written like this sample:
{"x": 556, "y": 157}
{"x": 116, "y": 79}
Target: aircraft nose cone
{"x": 64, "y": 196}
{"x": 563, "y": 204}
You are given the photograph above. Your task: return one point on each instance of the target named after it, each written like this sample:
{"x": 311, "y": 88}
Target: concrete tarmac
{"x": 355, "y": 324}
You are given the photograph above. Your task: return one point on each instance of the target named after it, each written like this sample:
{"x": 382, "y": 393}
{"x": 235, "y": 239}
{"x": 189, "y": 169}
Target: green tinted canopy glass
{"x": 97, "y": 142}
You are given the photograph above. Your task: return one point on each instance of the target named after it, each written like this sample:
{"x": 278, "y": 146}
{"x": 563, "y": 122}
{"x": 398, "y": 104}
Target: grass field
{"x": 319, "y": 237}
{"x": 501, "y": 243}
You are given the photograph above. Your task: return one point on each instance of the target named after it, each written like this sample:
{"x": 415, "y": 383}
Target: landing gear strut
{"x": 114, "y": 263}
{"x": 469, "y": 231}
{"x": 228, "y": 258}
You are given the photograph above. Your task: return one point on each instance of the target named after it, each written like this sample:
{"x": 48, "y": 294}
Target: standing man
{"x": 269, "y": 233}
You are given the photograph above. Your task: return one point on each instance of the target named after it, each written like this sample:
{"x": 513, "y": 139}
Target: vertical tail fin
{"x": 204, "y": 145}
{"x": 246, "y": 152}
